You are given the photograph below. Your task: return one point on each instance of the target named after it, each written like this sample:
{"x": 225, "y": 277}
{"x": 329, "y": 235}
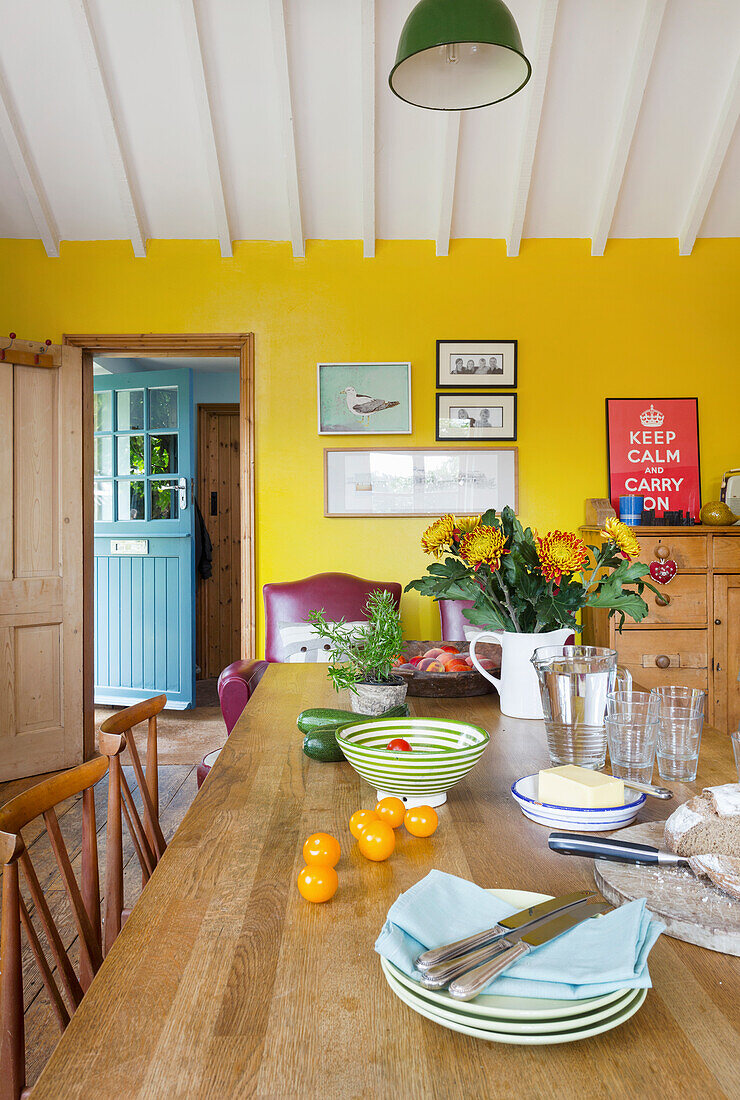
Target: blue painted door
{"x": 144, "y": 547}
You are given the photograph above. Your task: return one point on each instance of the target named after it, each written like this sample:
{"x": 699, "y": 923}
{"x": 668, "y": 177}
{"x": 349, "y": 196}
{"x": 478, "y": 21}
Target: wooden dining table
{"x": 226, "y": 983}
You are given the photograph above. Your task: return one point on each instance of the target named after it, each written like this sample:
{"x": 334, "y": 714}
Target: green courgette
{"x": 321, "y": 744}
{"x": 322, "y": 718}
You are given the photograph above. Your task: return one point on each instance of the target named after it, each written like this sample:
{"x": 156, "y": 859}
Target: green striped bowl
{"x": 442, "y": 753}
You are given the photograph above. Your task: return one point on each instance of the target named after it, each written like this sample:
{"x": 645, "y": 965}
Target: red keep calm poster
{"x": 654, "y": 453}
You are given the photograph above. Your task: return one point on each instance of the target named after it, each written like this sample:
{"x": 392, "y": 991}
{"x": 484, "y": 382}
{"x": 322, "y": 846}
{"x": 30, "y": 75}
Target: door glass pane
{"x": 163, "y": 453}
{"x": 163, "y": 408}
{"x": 103, "y": 501}
{"x": 129, "y": 410}
{"x": 165, "y": 503}
{"x": 102, "y": 411}
{"x": 130, "y": 500}
{"x": 103, "y": 461}
{"x": 130, "y": 455}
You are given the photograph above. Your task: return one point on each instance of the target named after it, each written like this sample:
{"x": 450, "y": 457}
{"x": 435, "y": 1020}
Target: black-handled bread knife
{"x": 616, "y": 851}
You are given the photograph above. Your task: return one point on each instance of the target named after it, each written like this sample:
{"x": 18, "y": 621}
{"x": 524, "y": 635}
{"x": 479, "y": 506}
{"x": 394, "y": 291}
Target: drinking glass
{"x": 674, "y": 696}
{"x": 574, "y": 683}
{"x": 679, "y": 739}
{"x": 632, "y": 734}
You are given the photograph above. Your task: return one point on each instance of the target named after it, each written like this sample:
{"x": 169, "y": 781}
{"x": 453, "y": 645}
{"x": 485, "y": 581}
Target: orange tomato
{"x": 322, "y": 848}
{"x": 318, "y": 882}
{"x": 378, "y": 841}
{"x": 391, "y": 810}
{"x": 421, "y": 821}
{"x": 360, "y": 820}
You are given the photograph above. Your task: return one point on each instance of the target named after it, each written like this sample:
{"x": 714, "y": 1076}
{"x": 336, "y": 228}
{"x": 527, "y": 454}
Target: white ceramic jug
{"x": 518, "y": 688}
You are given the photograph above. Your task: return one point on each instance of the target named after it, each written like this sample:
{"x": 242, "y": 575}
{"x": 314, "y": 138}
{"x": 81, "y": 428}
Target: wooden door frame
{"x": 166, "y": 345}
{"x": 202, "y": 411}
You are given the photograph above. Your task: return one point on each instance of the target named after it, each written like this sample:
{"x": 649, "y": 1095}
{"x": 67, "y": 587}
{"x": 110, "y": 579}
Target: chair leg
{"x": 12, "y": 1047}
{"x": 113, "y": 858}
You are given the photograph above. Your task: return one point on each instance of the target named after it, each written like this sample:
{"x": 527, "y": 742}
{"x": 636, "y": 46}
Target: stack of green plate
{"x": 526, "y": 1021}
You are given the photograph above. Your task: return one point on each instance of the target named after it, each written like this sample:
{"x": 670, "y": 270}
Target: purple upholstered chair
{"x": 287, "y": 605}
{"x": 454, "y": 623}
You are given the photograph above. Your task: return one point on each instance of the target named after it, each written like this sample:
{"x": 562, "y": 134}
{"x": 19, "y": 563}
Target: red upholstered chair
{"x": 341, "y": 595}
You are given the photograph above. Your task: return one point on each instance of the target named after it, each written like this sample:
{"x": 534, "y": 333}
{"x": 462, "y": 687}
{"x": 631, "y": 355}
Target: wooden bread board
{"x": 692, "y": 909}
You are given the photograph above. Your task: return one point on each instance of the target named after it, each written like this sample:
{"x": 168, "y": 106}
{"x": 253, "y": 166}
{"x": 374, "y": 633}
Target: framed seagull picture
{"x": 364, "y": 398}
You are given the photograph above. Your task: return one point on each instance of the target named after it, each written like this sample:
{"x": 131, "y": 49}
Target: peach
{"x": 428, "y": 664}
{"x": 449, "y": 649}
{"x": 415, "y": 661}
{"x": 433, "y": 652}
{"x": 457, "y": 666}
{"x": 406, "y": 667}
{"x": 485, "y": 663}
{"x": 469, "y": 661}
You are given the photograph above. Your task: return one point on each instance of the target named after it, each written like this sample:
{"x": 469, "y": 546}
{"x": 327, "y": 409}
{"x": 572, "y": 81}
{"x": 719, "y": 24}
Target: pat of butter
{"x": 570, "y": 785}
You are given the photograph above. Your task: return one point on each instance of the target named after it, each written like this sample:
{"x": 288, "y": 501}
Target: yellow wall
{"x": 640, "y": 321}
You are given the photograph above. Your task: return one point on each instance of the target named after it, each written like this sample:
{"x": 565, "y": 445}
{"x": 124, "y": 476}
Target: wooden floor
{"x": 177, "y": 787}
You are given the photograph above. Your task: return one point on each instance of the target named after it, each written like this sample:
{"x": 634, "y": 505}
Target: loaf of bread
{"x": 706, "y": 829}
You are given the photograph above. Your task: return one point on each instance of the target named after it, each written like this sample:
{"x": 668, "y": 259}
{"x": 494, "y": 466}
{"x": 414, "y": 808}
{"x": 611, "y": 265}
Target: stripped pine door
{"x": 218, "y": 598}
{"x": 41, "y": 559}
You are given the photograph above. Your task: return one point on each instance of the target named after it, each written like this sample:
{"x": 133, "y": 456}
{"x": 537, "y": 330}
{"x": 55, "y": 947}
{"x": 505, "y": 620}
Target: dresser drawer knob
{"x": 662, "y": 552}
{"x": 662, "y": 599}
{"x": 663, "y": 661}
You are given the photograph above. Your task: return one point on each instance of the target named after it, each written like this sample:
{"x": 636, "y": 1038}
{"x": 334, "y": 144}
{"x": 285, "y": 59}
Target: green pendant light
{"x": 454, "y": 55}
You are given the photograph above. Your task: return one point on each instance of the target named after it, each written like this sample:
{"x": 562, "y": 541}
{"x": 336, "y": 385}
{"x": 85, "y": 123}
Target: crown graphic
{"x": 651, "y": 418}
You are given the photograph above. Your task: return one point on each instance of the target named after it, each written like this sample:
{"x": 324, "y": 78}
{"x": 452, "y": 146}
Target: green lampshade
{"x": 454, "y": 55}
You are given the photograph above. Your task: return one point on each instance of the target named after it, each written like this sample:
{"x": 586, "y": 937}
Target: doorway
{"x": 218, "y": 597}
{"x": 126, "y": 348}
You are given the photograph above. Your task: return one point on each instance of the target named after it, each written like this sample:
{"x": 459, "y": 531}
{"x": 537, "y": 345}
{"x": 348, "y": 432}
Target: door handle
{"x": 182, "y": 488}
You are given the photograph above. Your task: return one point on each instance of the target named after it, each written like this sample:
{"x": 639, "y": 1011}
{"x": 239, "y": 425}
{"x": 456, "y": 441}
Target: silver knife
{"x": 519, "y": 944}
{"x": 437, "y": 977}
{"x": 489, "y": 935}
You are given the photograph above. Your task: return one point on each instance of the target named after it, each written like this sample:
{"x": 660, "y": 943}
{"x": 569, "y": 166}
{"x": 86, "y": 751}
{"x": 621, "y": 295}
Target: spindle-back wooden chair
{"x": 84, "y": 900}
{"x": 116, "y": 734}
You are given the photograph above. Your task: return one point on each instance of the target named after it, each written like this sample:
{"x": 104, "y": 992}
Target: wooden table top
{"x": 226, "y": 983}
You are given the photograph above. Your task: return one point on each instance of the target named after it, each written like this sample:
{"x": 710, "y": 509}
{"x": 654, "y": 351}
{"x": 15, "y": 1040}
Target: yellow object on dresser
{"x": 580, "y": 788}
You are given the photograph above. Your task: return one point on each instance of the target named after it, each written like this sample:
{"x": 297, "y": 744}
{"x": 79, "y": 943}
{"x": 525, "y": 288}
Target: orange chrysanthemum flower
{"x": 560, "y": 552}
{"x": 439, "y": 535}
{"x": 483, "y": 546}
{"x": 620, "y": 533}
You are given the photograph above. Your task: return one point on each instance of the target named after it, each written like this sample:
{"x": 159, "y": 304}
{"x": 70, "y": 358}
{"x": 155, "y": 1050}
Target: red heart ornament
{"x": 663, "y": 571}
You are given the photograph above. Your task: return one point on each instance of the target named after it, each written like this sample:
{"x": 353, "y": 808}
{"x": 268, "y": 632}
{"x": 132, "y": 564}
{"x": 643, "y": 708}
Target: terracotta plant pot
{"x": 375, "y": 699}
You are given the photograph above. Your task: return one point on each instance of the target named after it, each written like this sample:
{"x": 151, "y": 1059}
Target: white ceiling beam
{"x": 204, "y": 109}
{"x": 25, "y": 170}
{"x": 367, "y": 15}
{"x": 451, "y": 142}
{"x": 536, "y": 93}
{"x": 713, "y": 161}
{"x": 647, "y": 40}
{"x": 285, "y": 108}
{"x": 112, "y": 132}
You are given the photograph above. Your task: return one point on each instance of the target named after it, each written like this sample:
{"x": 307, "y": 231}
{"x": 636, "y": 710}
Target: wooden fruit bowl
{"x": 449, "y": 685}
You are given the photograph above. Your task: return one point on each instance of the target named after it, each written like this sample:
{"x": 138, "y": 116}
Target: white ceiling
{"x": 273, "y": 120}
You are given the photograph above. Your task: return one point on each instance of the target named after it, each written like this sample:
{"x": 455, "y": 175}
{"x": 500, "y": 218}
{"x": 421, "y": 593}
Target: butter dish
{"x": 594, "y": 819}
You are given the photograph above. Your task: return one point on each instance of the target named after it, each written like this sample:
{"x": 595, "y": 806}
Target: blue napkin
{"x": 594, "y": 958}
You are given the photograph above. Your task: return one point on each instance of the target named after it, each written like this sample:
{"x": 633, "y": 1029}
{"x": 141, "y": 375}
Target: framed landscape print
{"x": 419, "y": 481}
{"x": 462, "y": 364}
{"x": 364, "y": 398}
{"x": 653, "y": 452}
{"x": 478, "y": 416}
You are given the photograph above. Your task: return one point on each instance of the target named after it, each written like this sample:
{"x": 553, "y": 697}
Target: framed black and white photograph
{"x": 481, "y": 363}
{"x": 418, "y": 481}
{"x": 480, "y": 416}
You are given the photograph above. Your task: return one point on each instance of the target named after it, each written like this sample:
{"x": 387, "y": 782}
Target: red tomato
{"x": 398, "y": 745}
